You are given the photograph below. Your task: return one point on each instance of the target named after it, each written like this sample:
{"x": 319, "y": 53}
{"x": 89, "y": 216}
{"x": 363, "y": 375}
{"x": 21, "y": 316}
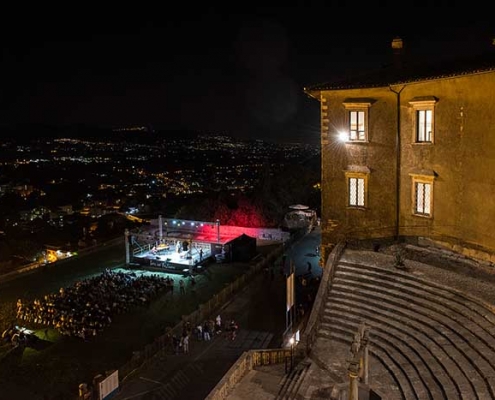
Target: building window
{"x": 357, "y": 115}
{"x": 424, "y": 125}
{"x": 357, "y": 126}
{"x": 422, "y": 200}
{"x": 424, "y": 119}
{"x": 422, "y": 204}
{"x": 357, "y": 186}
{"x": 356, "y": 192}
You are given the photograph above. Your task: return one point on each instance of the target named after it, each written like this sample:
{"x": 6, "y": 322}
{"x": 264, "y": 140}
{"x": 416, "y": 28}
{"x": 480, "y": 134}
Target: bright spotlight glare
{"x": 343, "y": 137}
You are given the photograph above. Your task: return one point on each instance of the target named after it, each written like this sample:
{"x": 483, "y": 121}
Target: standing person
{"x": 218, "y": 324}
{"x": 300, "y": 311}
{"x": 176, "y": 344}
{"x": 211, "y": 327}
{"x": 199, "y": 331}
{"x": 206, "y": 331}
{"x": 233, "y": 329}
{"x": 185, "y": 344}
{"x": 186, "y": 329}
{"x": 200, "y": 254}
{"x": 182, "y": 287}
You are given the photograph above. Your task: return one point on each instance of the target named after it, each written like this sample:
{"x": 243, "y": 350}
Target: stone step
{"x": 418, "y": 293}
{"x": 473, "y": 363}
{"x": 291, "y": 382}
{"x": 437, "y": 308}
{"x": 466, "y": 337}
{"x": 405, "y": 387}
{"x": 180, "y": 381}
{"x": 433, "y": 330}
{"x": 166, "y": 392}
{"x": 416, "y": 345}
{"x": 452, "y": 324}
{"x": 420, "y": 363}
{"x": 427, "y": 287}
{"x": 478, "y": 356}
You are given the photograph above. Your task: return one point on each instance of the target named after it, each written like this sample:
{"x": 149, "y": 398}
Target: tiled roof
{"x": 410, "y": 72}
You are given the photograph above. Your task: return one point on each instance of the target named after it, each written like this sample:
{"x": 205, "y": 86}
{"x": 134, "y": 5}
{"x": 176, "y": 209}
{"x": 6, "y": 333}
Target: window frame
{"x": 356, "y": 175}
{"x": 357, "y": 106}
{"x": 423, "y": 104}
{"x": 421, "y": 180}
{"x": 361, "y": 126}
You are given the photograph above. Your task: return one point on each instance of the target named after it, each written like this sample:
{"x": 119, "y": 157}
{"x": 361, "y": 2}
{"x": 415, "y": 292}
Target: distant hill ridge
{"x": 81, "y": 131}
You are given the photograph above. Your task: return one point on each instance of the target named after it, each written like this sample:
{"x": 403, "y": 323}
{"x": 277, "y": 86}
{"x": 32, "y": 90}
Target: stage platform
{"x": 165, "y": 258}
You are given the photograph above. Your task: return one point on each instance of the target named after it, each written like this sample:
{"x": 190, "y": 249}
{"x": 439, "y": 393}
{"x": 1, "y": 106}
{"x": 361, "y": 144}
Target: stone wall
{"x": 459, "y": 161}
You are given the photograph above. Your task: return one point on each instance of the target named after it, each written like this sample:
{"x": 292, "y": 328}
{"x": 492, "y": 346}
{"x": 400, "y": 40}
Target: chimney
{"x": 398, "y": 51}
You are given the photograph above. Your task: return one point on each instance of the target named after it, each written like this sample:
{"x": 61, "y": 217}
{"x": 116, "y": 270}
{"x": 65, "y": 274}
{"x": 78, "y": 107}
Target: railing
{"x": 308, "y": 337}
{"x": 269, "y": 356}
{"x": 18, "y": 271}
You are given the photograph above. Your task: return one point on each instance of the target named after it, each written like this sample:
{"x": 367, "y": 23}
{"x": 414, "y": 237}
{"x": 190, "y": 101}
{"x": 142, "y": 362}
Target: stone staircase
{"x": 180, "y": 381}
{"x": 434, "y": 341}
{"x": 291, "y": 382}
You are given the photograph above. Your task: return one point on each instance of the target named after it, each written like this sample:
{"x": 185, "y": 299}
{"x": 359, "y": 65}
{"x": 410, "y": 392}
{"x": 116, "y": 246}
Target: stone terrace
{"x": 432, "y": 330}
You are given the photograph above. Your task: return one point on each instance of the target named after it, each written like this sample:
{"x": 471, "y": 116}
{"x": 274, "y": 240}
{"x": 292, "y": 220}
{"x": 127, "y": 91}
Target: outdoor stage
{"x": 172, "y": 257}
{"x": 183, "y": 246}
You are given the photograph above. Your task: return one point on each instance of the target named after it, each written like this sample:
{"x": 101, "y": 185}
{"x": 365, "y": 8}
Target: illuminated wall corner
{"x": 325, "y": 121}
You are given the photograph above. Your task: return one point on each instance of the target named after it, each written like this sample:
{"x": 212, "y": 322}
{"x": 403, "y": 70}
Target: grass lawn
{"x": 62, "y": 363}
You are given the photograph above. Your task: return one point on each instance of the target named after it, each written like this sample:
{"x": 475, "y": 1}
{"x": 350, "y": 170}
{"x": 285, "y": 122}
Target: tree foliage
{"x": 265, "y": 205}
{"x": 26, "y": 249}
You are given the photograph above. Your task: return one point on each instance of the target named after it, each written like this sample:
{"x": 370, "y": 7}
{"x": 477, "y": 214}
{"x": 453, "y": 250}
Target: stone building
{"x": 408, "y": 154}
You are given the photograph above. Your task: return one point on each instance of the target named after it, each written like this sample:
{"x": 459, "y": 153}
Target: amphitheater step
{"x": 456, "y": 357}
{"x": 453, "y": 322}
{"x": 433, "y": 290}
{"x": 436, "y": 342}
{"x": 461, "y": 340}
{"x": 404, "y": 387}
{"x": 421, "y": 364}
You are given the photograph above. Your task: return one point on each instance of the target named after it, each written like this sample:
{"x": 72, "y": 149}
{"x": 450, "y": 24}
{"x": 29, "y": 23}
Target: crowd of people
{"x": 87, "y": 307}
{"x": 205, "y": 331}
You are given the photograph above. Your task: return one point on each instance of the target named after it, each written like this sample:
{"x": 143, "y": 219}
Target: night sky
{"x": 238, "y": 70}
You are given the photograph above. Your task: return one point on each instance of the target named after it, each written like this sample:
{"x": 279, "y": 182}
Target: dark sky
{"x": 238, "y": 70}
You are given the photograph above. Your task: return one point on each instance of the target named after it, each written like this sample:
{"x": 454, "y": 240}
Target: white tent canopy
{"x": 299, "y": 207}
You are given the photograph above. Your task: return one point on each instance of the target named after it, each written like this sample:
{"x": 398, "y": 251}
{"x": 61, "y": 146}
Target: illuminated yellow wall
{"x": 462, "y": 158}
{"x": 377, "y": 220}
